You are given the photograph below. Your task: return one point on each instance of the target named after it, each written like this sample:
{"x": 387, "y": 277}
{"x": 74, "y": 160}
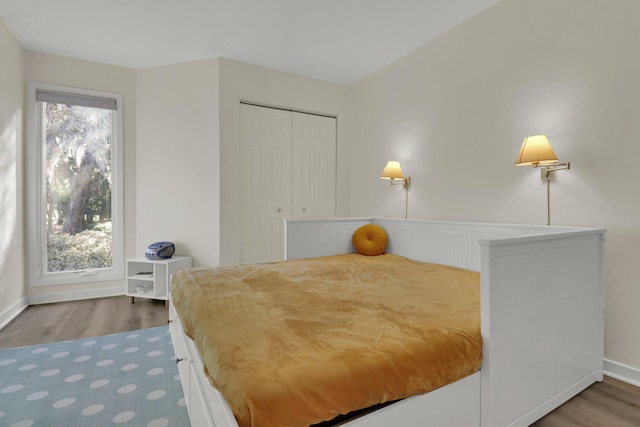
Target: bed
{"x": 541, "y": 311}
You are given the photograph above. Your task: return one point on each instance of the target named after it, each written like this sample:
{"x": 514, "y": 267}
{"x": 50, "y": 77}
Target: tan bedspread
{"x": 302, "y": 341}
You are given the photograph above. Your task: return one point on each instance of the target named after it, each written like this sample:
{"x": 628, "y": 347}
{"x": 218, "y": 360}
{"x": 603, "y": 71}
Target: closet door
{"x": 265, "y": 182}
{"x": 313, "y": 166}
{"x": 287, "y": 170}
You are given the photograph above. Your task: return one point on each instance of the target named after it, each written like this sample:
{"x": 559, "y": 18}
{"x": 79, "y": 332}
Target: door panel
{"x": 313, "y": 166}
{"x": 265, "y": 182}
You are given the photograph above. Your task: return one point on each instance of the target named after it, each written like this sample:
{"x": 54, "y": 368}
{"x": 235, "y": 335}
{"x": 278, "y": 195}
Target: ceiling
{"x": 341, "y": 41}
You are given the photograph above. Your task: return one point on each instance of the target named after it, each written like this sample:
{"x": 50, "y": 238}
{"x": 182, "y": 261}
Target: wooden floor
{"x": 611, "y": 403}
{"x": 81, "y": 319}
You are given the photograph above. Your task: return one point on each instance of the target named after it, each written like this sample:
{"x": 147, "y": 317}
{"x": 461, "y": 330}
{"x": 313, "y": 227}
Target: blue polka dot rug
{"x": 127, "y": 379}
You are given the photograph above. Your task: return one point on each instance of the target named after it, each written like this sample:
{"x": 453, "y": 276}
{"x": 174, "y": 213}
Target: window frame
{"x": 36, "y": 226}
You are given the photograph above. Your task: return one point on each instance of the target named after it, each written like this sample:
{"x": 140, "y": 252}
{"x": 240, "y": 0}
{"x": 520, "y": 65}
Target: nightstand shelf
{"x": 151, "y": 278}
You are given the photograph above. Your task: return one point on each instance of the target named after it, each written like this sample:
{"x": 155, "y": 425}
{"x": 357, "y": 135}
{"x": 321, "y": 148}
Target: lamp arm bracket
{"x": 405, "y": 182}
{"x": 546, "y": 170}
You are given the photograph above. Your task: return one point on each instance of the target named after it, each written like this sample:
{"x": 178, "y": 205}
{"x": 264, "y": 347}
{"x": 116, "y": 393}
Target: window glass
{"x": 78, "y": 183}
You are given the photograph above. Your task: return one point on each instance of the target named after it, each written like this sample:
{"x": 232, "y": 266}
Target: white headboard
{"x": 453, "y": 243}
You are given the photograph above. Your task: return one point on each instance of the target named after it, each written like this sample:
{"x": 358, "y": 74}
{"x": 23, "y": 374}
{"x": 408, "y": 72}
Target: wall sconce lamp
{"x": 536, "y": 151}
{"x": 393, "y": 172}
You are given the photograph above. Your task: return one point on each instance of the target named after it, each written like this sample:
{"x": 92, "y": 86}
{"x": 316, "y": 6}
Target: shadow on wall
{"x": 8, "y": 191}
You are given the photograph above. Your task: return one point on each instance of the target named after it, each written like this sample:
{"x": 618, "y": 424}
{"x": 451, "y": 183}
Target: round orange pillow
{"x": 370, "y": 239}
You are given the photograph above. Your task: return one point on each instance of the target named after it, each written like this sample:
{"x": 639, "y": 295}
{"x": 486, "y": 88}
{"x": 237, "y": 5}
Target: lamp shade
{"x": 392, "y": 170}
{"x": 536, "y": 150}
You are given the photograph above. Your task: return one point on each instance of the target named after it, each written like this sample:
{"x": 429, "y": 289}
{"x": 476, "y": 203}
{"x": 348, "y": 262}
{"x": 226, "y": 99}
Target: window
{"x": 75, "y": 185}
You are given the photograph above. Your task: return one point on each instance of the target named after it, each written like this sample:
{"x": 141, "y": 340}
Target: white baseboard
{"x": 12, "y": 312}
{"x": 47, "y": 298}
{"x": 622, "y": 372}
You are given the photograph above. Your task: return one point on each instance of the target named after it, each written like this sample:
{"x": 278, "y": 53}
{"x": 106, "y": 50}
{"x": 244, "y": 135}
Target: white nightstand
{"x": 150, "y": 278}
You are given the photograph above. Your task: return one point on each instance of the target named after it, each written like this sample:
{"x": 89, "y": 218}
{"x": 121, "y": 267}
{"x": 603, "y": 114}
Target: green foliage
{"x": 88, "y": 249}
{"x": 105, "y": 227}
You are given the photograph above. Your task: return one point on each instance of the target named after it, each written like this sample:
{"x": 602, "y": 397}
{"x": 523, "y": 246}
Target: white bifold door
{"x": 287, "y": 170}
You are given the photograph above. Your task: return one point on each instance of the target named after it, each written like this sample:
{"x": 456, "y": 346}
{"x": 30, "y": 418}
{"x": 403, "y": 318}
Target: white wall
{"x": 455, "y": 112}
{"x": 240, "y": 81}
{"x": 12, "y": 281}
{"x": 178, "y": 183}
{"x": 58, "y": 70}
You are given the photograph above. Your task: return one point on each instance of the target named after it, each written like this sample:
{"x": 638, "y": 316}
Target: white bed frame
{"x": 542, "y": 314}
